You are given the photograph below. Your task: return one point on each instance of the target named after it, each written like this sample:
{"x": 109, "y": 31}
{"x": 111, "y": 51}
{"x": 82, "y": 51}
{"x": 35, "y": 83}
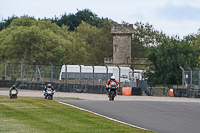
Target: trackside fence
{"x": 36, "y": 76}
{"x": 190, "y": 83}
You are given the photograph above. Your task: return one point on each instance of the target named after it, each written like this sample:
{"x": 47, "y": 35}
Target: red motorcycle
{"x": 112, "y": 87}
{"x": 13, "y": 94}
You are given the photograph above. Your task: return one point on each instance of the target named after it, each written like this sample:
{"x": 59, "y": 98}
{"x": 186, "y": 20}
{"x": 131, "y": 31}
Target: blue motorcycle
{"x": 49, "y": 94}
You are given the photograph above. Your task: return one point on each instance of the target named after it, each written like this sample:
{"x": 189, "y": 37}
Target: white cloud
{"x": 173, "y": 28}
{"x": 194, "y": 3}
{"x": 178, "y": 12}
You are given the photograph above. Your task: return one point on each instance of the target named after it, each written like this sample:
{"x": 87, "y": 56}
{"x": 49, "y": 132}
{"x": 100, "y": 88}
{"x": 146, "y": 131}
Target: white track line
{"x": 102, "y": 115}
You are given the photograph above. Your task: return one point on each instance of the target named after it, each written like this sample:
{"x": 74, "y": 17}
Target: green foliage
{"x": 27, "y": 40}
{"x": 23, "y": 21}
{"x": 89, "y": 45}
{"x": 166, "y": 60}
{"x": 6, "y": 22}
{"x": 74, "y": 20}
{"x": 195, "y": 44}
{"x": 144, "y": 36}
{"x": 75, "y": 38}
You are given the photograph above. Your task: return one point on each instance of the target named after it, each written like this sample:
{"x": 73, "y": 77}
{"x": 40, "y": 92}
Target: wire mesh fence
{"x": 51, "y": 73}
{"x": 26, "y": 72}
{"x": 191, "y": 79}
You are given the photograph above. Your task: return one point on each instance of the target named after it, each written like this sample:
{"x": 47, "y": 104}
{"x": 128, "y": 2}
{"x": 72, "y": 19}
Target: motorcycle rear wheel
{"x": 112, "y": 95}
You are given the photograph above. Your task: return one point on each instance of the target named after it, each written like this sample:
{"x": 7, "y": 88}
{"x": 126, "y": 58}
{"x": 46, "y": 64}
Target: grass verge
{"x": 38, "y": 115}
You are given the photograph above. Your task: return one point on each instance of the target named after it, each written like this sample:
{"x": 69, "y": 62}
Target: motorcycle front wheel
{"x": 49, "y": 97}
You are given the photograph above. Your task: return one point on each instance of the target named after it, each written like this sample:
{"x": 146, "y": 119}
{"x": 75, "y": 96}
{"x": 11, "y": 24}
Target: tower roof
{"x": 122, "y": 29}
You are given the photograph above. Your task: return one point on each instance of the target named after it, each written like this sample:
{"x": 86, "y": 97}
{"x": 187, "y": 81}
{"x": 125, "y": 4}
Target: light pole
{"x": 36, "y": 69}
{"x": 51, "y": 71}
{"x": 21, "y": 70}
{"x": 5, "y": 68}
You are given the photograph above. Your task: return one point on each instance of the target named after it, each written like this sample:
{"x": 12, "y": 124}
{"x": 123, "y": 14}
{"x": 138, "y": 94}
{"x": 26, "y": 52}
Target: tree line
{"x": 46, "y": 40}
{"x": 85, "y": 38}
{"x": 74, "y": 38}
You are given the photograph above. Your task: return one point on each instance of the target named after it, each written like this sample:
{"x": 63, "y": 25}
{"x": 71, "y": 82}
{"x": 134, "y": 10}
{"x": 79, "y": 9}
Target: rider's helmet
{"x": 13, "y": 86}
{"x": 49, "y": 85}
{"x": 112, "y": 77}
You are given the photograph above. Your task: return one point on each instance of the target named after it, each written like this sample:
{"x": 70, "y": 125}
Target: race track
{"x": 158, "y": 114}
{"x": 160, "y": 117}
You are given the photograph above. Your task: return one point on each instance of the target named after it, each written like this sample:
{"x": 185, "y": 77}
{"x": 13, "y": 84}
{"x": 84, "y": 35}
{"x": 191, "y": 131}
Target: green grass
{"x": 38, "y": 115}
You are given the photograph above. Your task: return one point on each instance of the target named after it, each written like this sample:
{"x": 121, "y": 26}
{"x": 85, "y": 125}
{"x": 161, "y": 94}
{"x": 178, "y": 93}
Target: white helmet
{"x": 112, "y": 77}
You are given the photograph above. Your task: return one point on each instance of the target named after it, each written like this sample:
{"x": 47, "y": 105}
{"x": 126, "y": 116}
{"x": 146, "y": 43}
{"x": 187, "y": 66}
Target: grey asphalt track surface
{"x": 157, "y": 116}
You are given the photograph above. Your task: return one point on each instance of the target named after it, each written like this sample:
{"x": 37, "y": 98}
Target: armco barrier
{"x": 190, "y": 93}
{"x": 96, "y": 89}
{"x": 77, "y": 88}
{"x": 136, "y": 91}
{"x": 6, "y": 83}
{"x": 179, "y": 92}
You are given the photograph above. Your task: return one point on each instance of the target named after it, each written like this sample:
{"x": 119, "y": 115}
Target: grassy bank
{"x": 37, "y": 115}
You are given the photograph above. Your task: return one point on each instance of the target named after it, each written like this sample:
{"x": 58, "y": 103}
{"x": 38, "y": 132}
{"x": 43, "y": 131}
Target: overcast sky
{"x": 173, "y": 17}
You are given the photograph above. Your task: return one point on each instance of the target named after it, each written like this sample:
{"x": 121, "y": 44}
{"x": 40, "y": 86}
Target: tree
{"x": 28, "y": 39}
{"x": 6, "y": 22}
{"x": 166, "y": 60}
{"x": 195, "y": 44}
{"x": 89, "y": 45}
{"x": 74, "y": 20}
{"x": 144, "y": 36}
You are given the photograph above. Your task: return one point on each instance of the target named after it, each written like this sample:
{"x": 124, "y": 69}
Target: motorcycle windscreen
{"x": 13, "y": 92}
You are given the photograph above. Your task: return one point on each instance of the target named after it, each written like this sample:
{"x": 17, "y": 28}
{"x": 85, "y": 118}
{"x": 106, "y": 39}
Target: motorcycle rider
{"x": 112, "y": 78}
{"x": 13, "y": 88}
{"x": 48, "y": 86}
